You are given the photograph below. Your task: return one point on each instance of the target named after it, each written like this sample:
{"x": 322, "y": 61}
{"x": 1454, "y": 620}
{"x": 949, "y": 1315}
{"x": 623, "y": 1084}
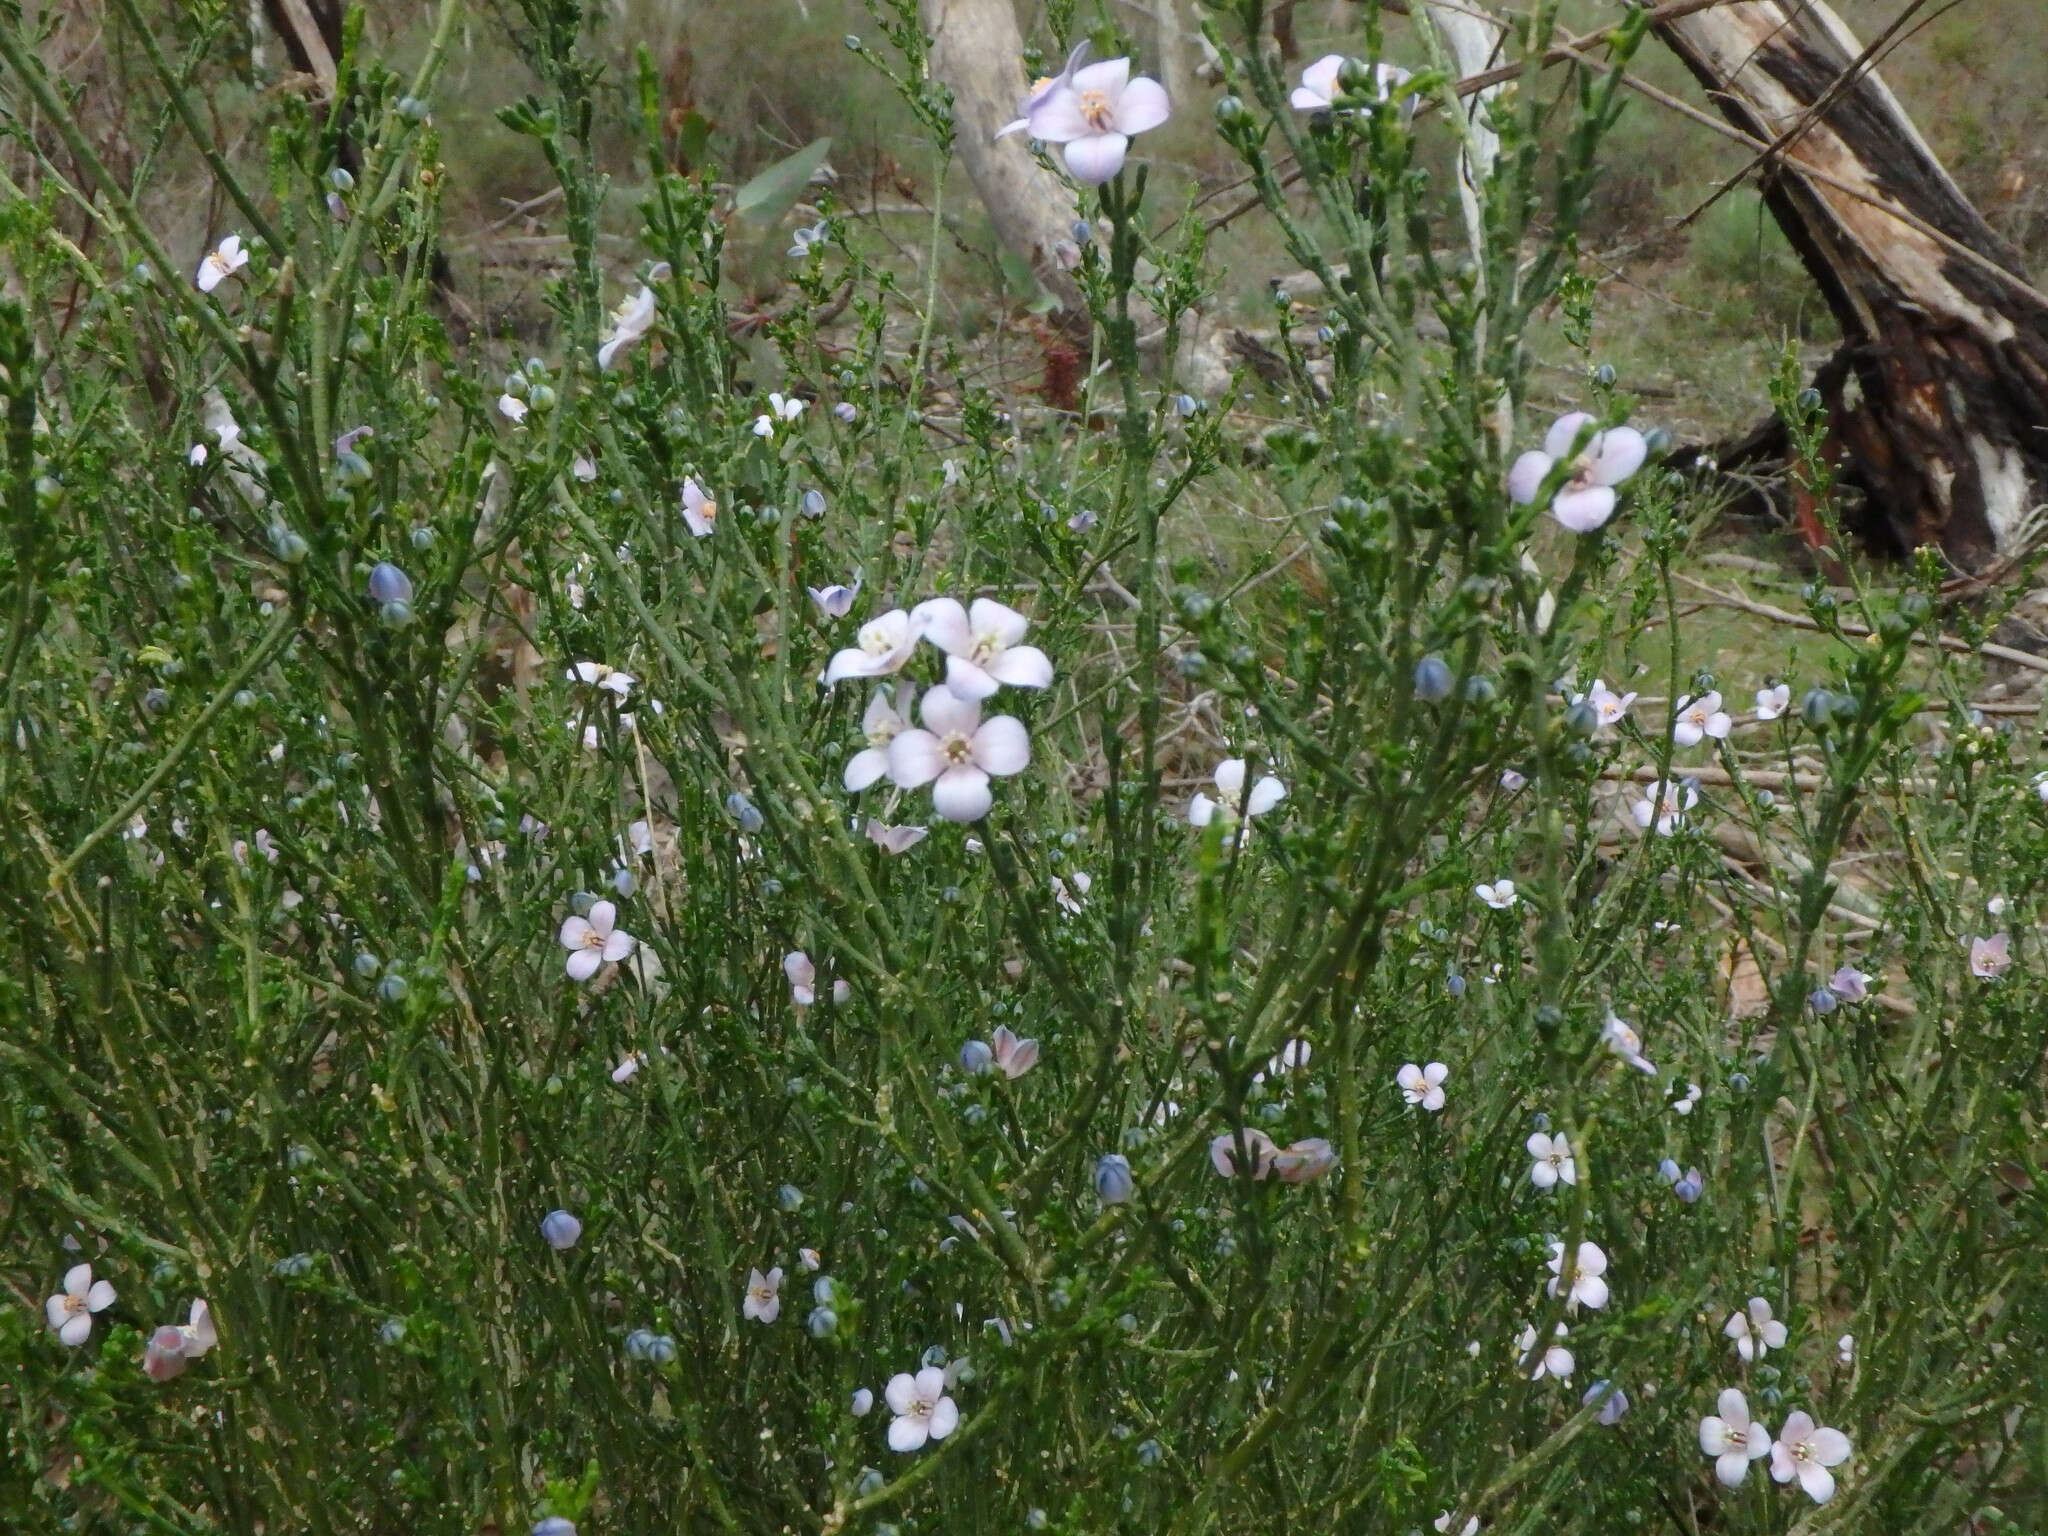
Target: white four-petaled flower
{"x": 598, "y": 675}
{"x": 1553, "y": 1360}
{"x": 1584, "y": 1286}
{"x": 1320, "y": 86}
{"x": 631, "y": 320}
{"x": 1094, "y": 112}
{"x": 70, "y": 1310}
{"x": 1773, "y": 702}
{"x": 1619, "y": 1036}
{"x": 700, "y": 512}
{"x": 1695, "y": 719}
{"x": 1989, "y": 957}
{"x": 1554, "y": 1162}
{"x": 981, "y": 646}
{"x": 1423, "y": 1085}
{"x": 1230, "y": 775}
{"x": 1664, "y": 804}
{"x": 221, "y": 263}
{"x": 594, "y": 940}
{"x": 1587, "y": 498}
{"x": 1806, "y": 1451}
{"x": 1500, "y": 895}
{"x": 1732, "y": 1439}
{"x": 956, "y": 753}
{"x": 1610, "y": 707}
{"x": 763, "y": 1303}
{"x": 1755, "y": 1332}
{"x": 921, "y": 1407}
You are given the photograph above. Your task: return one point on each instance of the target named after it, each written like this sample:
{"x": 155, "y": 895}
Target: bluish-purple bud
{"x": 561, "y": 1230}
{"x": 1433, "y": 680}
{"x": 1113, "y": 1182}
{"x": 388, "y": 584}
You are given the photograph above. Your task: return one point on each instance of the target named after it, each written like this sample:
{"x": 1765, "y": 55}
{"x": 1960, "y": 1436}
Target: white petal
{"x": 1731, "y": 1469}
{"x": 100, "y": 1297}
{"x": 961, "y": 794}
{"x": 1002, "y": 746}
{"x": 1830, "y": 1447}
{"x": 998, "y": 621}
{"x": 945, "y": 1418}
{"x": 575, "y": 930}
{"x": 618, "y": 946}
{"x": 76, "y": 1330}
{"x": 1230, "y": 780}
{"x": 1266, "y": 794}
{"x": 78, "y": 1280}
{"x": 1818, "y": 1482}
{"x": 1097, "y": 158}
{"x": 55, "y": 1310}
{"x": 604, "y": 916}
{"x": 901, "y": 1392}
{"x": 583, "y": 964}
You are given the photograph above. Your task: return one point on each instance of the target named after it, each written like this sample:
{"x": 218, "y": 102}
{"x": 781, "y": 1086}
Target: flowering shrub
{"x": 489, "y": 931}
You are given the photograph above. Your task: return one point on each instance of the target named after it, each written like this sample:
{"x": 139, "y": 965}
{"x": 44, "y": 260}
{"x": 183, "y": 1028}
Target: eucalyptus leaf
{"x": 775, "y": 191}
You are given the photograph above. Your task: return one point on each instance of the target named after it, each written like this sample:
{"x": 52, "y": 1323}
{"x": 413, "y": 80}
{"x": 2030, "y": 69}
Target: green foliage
{"x": 308, "y": 793}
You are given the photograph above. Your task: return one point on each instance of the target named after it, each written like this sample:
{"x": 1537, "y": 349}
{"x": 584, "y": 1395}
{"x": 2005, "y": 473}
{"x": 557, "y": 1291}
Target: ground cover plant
{"x": 721, "y": 929}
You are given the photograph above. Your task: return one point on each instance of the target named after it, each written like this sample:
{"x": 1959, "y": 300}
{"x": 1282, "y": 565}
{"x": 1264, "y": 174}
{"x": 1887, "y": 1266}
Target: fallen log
{"x": 1938, "y": 399}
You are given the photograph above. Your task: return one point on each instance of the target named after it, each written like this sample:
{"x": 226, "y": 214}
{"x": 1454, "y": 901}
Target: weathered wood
{"x": 1939, "y": 397}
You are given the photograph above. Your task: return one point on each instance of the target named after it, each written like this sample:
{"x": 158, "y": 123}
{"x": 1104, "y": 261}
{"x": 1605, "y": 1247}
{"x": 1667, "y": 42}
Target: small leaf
{"x": 774, "y": 192}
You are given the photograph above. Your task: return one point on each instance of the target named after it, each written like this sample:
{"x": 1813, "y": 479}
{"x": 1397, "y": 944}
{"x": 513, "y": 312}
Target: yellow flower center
{"x": 957, "y": 749}
{"x": 1096, "y": 111}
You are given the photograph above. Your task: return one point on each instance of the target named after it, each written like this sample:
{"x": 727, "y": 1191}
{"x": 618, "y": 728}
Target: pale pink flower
{"x": 1042, "y": 88}
{"x": 1695, "y": 719}
{"x": 1258, "y": 1146}
{"x": 1584, "y": 1285}
{"x": 884, "y": 721}
{"x": 1304, "y": 1160}
{"x": 700, "y": 512}
{"x": 879, "y": 648}
{"x": 1094, "y": 113}
{"x": 981, "y": 646}
{"x": 1755, "y": 1332}
{"x": 1806, "y": 1451}
{"x": 594, "y": 940}
{"x": 921, "y": 1407}
{"x": 221, "y": 263}
{"x": 1587, "y": 499}
{"x": 1320, "y": 87}
{"x": 1014, "y": 1056}
{"x": 1773, "y": 702}
{"x": 1554, "y": 1163}
{"x": 956, "y": 753}
{"x": 763, "y": 1301}
{"x": 1423, "y": 1085}
{"x": 1732, "y": 1439}
{"x": 172, "y": 1347}
{"x": 70, "y": 1311}
{"x": 1989, "y": 957}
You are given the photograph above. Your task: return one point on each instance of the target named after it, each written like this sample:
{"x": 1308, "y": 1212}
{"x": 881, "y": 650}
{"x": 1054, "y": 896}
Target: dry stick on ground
{"x": 2018, "y": 658}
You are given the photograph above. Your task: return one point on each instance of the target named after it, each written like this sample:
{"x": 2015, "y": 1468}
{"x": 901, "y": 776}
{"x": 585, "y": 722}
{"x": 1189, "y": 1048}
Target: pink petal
{"x": 76, "y": 1330}
{"x": 945, "y": 1418}
{"x": 1830, "y": 1447}
{"x": 1144, "y": 106}
{"x": 907, "y": 1434}
{"x": 946, "y": 713}
{"x": 864, "y": 767}
{"x": 968, "y": 681}
{"x": 901, "y": 1392}
{"x": 55, "y": 1310}
{"x": 1021, "y": 666}
{"x": 1056, "y": 117}
{"x": 1107, "y": 76}
{"x": 1002, "y": 746}
{"x": 618, "y": 946}
{"x": 1525, "y": 478}
{"x": 603, "y": 916}
{"x": 1617, "y": 454}
{"x": 915, "y": 759}
{"x": 962, "y": 794}
{"x": 1564, "y": 432}
{"x": 78, "y": 1280}
{"x": 100, "y": 1297}
{"x": 583, "y": 964}
{"x": 1096, "y": 158}
{"x": 943, "y": 622}
{"x": 574, "y": 931}
{"x": 1583, "y": 511}
{"x": 998, "y": 621}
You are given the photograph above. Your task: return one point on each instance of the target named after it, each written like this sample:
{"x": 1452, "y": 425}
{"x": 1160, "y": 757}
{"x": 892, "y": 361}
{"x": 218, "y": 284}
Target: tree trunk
{"x": 1938, "y": 400}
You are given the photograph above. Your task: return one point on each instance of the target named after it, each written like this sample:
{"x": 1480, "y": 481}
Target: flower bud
{"x": 1433, "y": 680}
{"x": 561, "y": 1230}
{"x": 976, "y": 1057}
{"x": 388, "y": 584}
{"x": 1113, "y": 1182}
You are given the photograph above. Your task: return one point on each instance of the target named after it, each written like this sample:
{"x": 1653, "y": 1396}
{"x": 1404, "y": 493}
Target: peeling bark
{"x": 1939, "y": 397}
